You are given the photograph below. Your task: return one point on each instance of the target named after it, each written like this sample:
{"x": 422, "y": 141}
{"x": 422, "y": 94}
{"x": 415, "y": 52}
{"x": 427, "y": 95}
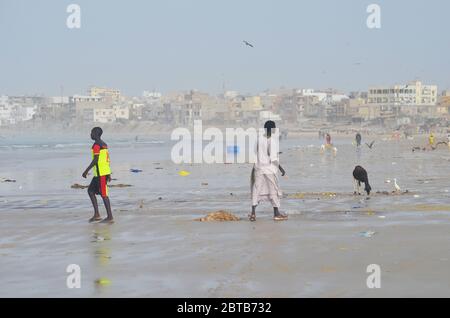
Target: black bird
{"x": 371, "y": 144}
{"x": 248, "y": 44}
{"x": 360, "y": 175}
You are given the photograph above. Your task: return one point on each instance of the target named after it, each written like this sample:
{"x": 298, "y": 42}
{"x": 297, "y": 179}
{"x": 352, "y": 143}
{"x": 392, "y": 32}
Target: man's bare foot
{"x": 95, "y": 219}
{"x": 108, "y": 220}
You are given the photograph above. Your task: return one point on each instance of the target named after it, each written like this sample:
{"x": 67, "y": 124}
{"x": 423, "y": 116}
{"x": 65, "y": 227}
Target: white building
{"x": 12, "y": 113}
{"x": 104, "y": 115}
{"x": 323, "y": 97}
{"x": 110, "y": 115}
{"x": 414, "y": 94}
{"x": 6, "y": 111}
{"x": 152, "y": 95}
{"x": 268, "y": 115}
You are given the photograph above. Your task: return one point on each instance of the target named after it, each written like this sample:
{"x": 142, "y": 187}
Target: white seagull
{"x": 396, "y": 186}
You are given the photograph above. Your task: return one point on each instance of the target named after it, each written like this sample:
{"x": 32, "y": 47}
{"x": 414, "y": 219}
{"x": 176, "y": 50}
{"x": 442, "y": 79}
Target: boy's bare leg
{"x": 109, "y": 218}
{"x": 96, "y": 216}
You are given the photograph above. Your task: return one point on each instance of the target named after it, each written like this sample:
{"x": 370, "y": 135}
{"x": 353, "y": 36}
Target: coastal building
{"x": 443, "y": 104}
{"x": 268, "y": 115}
{"x": 410, "y": 99}
{"x": 108, "y": 93}
{"x": 111, "y": 114}
{"x": 85, "y": 106}
{"x": 326, "y": 97}
{"x": 16, "y": 109}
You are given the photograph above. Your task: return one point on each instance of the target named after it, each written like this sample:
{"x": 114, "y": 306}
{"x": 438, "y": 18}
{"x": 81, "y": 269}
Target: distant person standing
{"x": 328, "y": 139}
{"x": 431, "y": 140}
{"x": 264, "y": 179}
{"x": 102, "y": 175}
{"x": 358, "y": 139}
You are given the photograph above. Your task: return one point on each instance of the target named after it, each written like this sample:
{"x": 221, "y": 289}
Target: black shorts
{"x": 99, "y": 186}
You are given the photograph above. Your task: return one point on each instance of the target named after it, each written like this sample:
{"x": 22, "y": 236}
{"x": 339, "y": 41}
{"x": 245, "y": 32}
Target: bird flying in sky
{"x": 248, "y": 44}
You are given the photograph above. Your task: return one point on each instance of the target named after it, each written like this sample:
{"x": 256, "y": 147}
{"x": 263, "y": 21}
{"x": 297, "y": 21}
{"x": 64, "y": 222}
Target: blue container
{"x": 233, "y": 149}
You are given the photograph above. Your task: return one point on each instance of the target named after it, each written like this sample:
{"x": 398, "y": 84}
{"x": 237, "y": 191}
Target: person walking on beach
{"x": 431, "y": 140}
{"x": 102, "y": 175}
{"x": 358, "y": 139}
{"x": 328, "y": 139}
{"x": 264, "y": 179}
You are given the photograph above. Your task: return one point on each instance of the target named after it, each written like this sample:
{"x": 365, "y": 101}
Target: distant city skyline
{"x": 178, "y": 45}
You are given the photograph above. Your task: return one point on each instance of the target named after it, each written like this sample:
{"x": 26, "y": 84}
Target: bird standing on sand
{"x": 247, "y": 43}
{"x": 396, "y": 186}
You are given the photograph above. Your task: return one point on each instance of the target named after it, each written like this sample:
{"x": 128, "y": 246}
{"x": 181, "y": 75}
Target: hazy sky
{"x": 181, "y": 44}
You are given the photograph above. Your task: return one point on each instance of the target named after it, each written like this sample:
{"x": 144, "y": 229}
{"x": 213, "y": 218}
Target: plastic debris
{"x": 8, "y": 180}
{"x": 103, "y": 282}
{"x": 367, "y": 234}
{"x": 297, "y": 196}
{"x": 120, "y": 185}
{"x": 233, "y": 149}
{"x": 135, "y": 170}
{"x": 78, "y": 186}
{"x": 184, "y": 173}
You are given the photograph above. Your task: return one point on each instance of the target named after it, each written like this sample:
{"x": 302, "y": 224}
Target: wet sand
{"x": 149, "y": 255}
{"x": 156, "y": 249}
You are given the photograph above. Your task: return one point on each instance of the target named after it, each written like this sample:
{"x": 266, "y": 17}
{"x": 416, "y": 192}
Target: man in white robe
{"x": 264, "y": 179}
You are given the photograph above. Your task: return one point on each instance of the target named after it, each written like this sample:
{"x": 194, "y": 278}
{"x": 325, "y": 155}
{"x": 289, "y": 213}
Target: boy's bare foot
{"x": 95, "y": 219}
{"x": 108, "y": 220}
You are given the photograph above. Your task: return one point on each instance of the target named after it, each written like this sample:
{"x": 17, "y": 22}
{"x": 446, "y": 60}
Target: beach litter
{"x": 233, "y": 149}
{"x": 103, "y": 282}
{"x": 204, "y": 183}
{"x": 184, "y": 173}
{"x": 7, "y": 180}
{"x": 98, "y": 238}
{"x": 367, "y": 234}
{"x": 219, "y": 216}
{"x": 297, "y": 196}
{"x": 78, "y": 186}
{"x": 136, "y": 170}
{"x": 119, "y": 185}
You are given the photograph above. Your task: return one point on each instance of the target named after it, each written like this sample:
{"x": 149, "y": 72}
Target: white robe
{"x": 264, "y": 179}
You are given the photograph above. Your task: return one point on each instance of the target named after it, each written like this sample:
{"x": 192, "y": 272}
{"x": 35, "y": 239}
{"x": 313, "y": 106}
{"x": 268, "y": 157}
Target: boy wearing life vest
{"x": 102, "y": 175}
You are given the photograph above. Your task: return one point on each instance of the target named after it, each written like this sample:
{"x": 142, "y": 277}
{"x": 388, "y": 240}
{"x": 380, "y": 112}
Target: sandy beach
{"x": 156, "y": 249}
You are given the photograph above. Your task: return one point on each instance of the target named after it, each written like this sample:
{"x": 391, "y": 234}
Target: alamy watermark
{"x": 374, "y": 19}
{"x": 213, "y": 146}
{"x": 73, "y": 280}
{"x": 374, "y": 279}
{"x": 73, "y": 21}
